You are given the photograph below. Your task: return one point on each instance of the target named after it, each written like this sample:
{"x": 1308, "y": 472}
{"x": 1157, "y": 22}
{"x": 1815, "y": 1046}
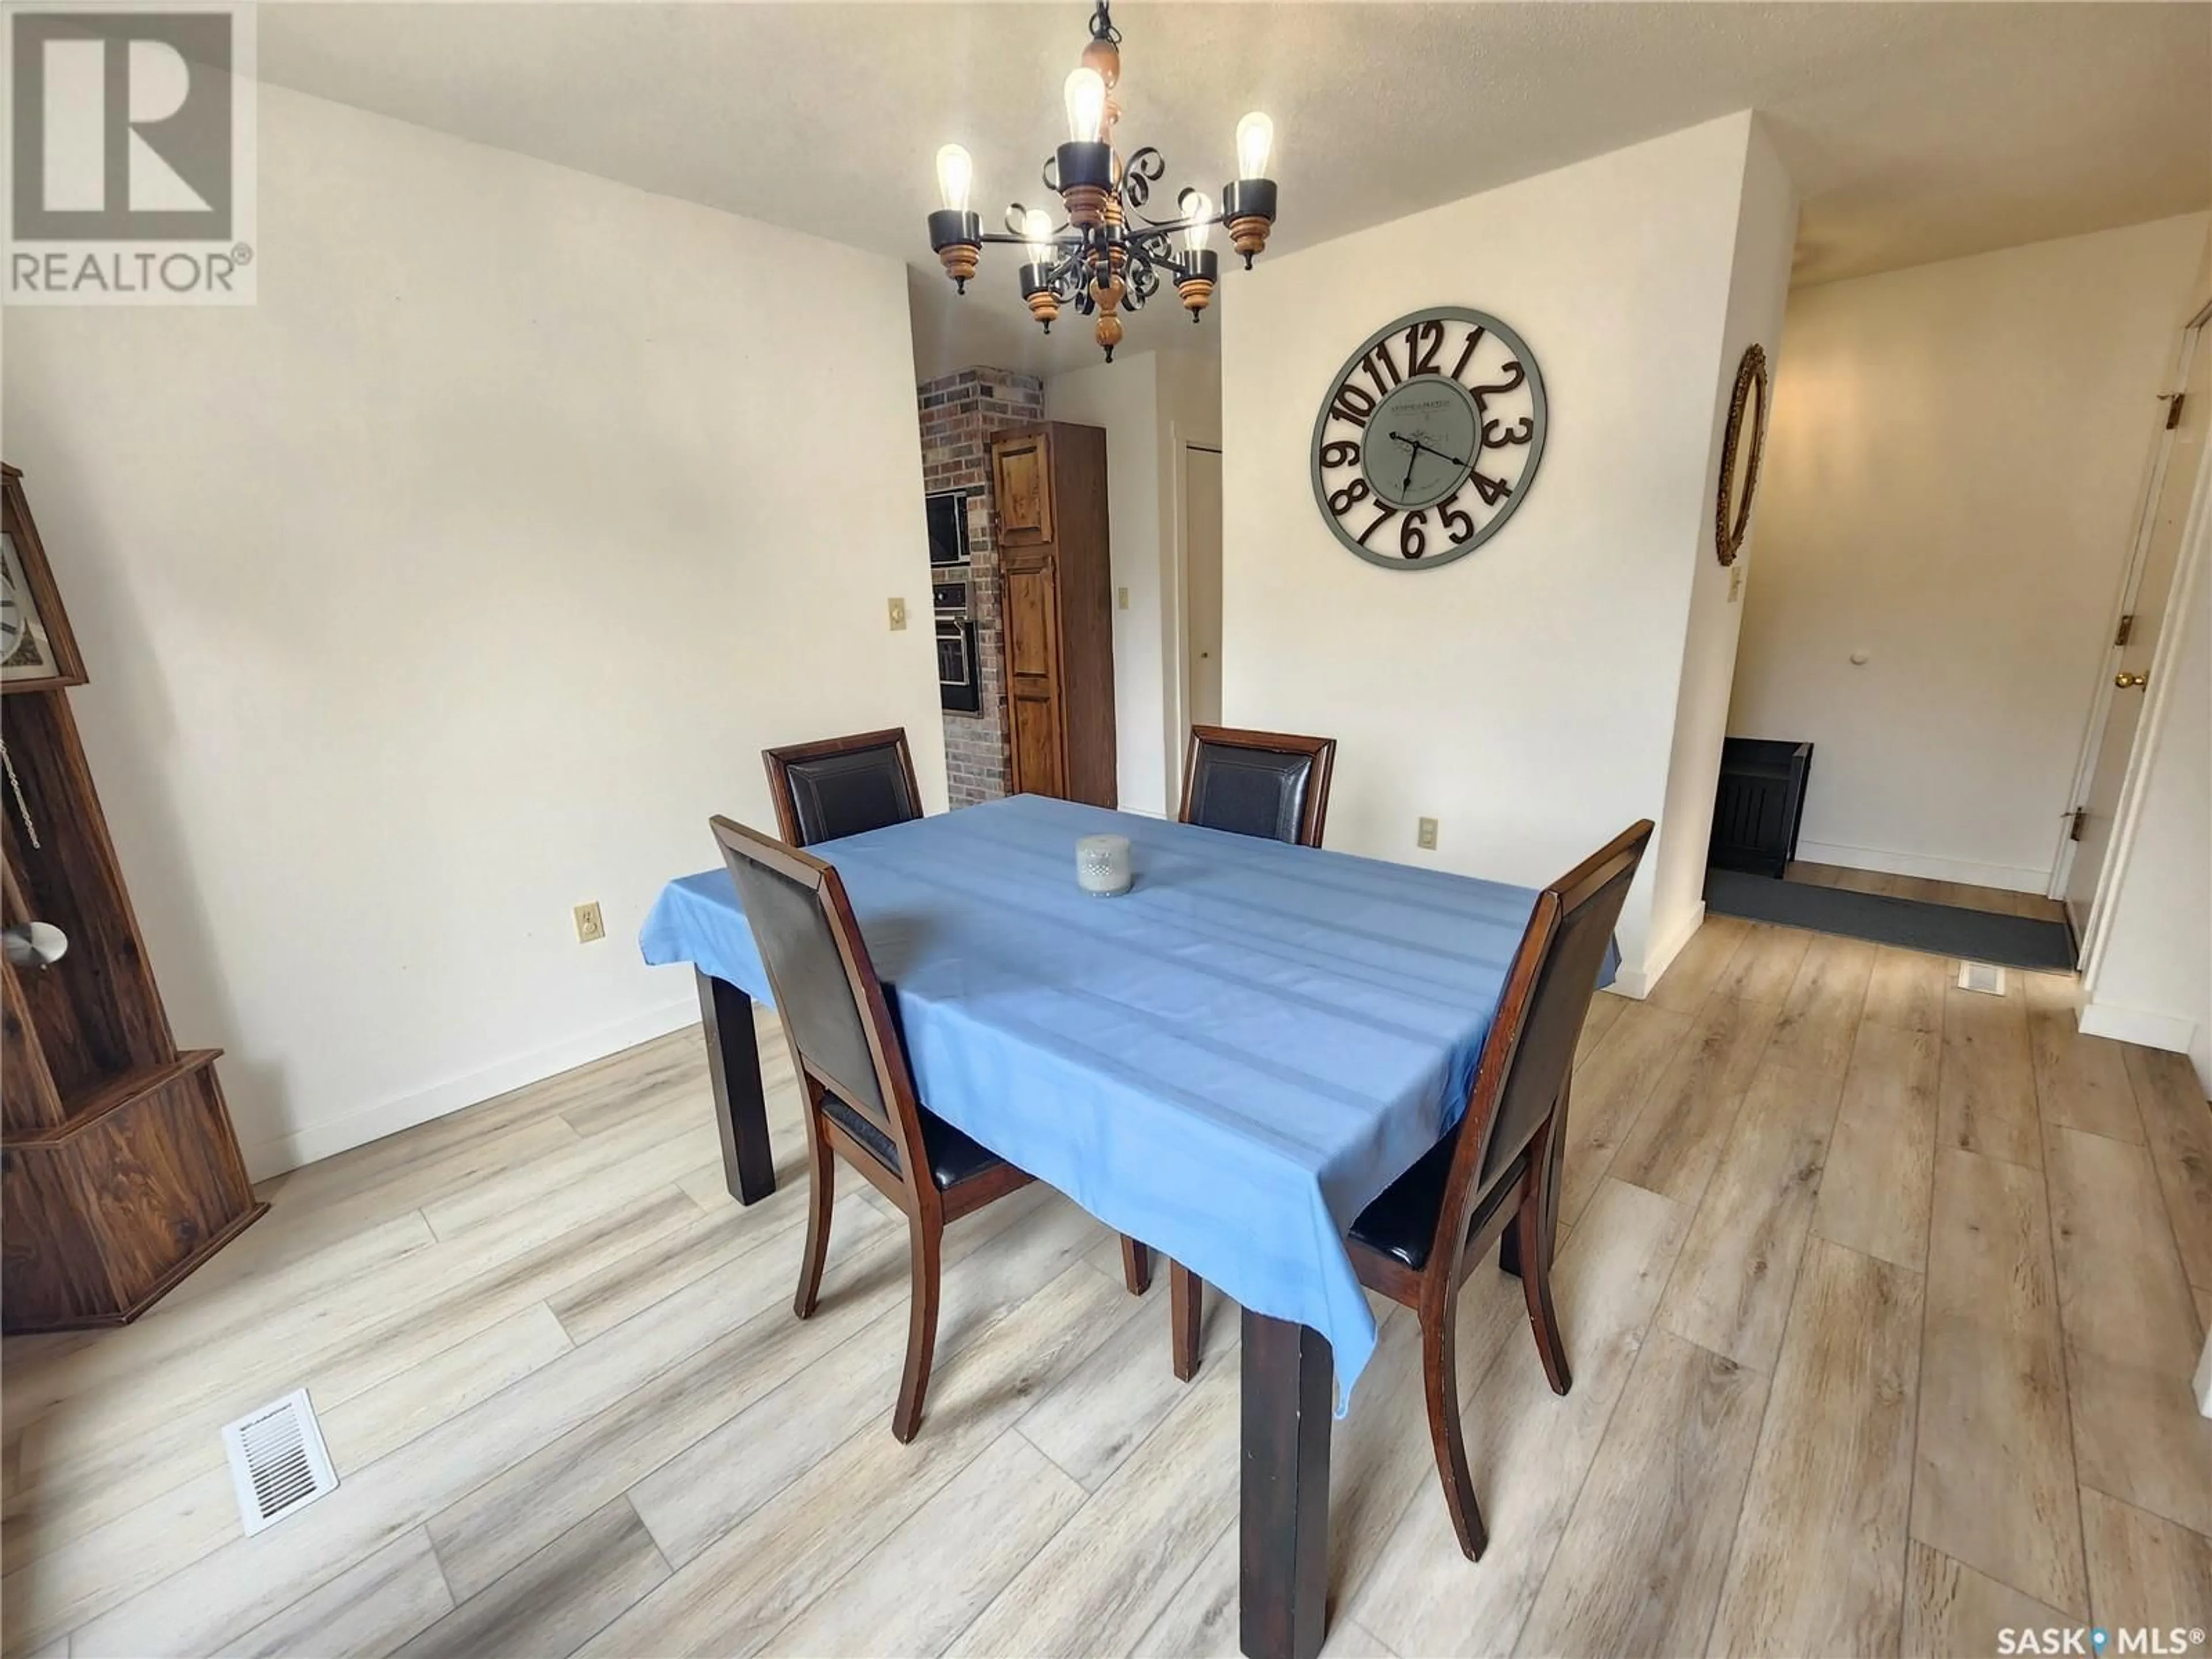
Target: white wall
{"x": 1956, "y": 459}
{"x": 2151, "y": 979}
{"x": 1190, "y": 413}
{"x": 1147, "y": 404}
{"x": 1525, "y": 696}
{"x": 1758, "y": 287}
{"x": 457, "y": 582}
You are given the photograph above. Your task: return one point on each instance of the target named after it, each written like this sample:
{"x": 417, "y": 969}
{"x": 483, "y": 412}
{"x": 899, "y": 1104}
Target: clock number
{"x": 1380, "y": 519}
{"x": 1458, "y": 526}
{"x": 1515, "y": 377}
{"x": 1492, "y": 490}
{"x": 1473, "y": 339}
{"x": 1389, "y": 365}
{"x": 1342, "y": 453}
{"x": 1413, "y": 540}
{"x": 1524, "y": 429}
{"x": 1354, "y": 403}
{"x": 1423, "y": 341}
{"x": 1343, "y": 500}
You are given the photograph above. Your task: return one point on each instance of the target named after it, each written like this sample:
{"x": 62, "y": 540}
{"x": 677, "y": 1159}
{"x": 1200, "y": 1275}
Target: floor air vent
{"x": 1984, "y": 976}
{"x": 278, "y": 1462}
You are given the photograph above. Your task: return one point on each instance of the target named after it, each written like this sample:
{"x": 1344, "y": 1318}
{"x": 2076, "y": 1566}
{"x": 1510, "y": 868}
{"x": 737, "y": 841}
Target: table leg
{"x": 1283, "y": 1538}
{"x": 740, "y": 1111}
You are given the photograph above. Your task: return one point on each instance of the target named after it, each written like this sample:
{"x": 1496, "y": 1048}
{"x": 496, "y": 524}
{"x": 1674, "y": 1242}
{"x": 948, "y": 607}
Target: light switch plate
{"x": 1735, "y": 582}
{"x": 898, "y": 615}
{"x": 1425, "y": 835}
{"x": 590, "y": 925}
{"x": 1124, "y": 597}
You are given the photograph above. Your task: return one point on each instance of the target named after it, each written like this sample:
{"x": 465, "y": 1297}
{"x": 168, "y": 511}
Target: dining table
{"x": 1228, "y": 1062}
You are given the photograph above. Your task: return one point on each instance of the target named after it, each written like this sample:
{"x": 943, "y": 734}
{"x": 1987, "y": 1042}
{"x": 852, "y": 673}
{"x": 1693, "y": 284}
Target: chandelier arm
{"x": 1148, "y": 223}
{"x": 1016, "y": 211}
{"x": 1144, "y": 169}
{"x": 1153, "y": 249}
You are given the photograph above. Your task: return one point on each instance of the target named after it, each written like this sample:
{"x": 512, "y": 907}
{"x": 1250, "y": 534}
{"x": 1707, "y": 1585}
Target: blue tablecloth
{"x": 1228, "y": 1062}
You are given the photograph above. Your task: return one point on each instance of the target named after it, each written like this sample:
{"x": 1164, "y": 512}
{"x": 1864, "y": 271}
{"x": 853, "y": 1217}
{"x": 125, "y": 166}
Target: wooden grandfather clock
{"x": 119, "y": 1171}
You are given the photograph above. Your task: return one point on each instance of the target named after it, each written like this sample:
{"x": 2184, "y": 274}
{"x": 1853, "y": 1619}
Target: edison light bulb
{"x": 1085, "y": 93}
{"x": 955, "y": 172}
{"x": 1036, "y": 230}
{"x": 1198, "y": 206}
{"x": 1255, "y": 137}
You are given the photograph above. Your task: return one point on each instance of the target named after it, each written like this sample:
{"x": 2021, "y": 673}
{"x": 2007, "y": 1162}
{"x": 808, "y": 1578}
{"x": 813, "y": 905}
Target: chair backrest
{"x": 1530, "y": 1049}
{"x": 843, "y": 786}
{"x": 832, "y": 1004}
{"x": 1270, "y": 784}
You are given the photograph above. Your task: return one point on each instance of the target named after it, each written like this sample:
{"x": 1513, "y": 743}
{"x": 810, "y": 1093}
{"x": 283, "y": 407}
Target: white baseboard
{"x": 340, "y": 1135}
{"x": 2138, "y": 1025}
{"x": 1636, "y": 982}
{"x": 2013, "y": 878}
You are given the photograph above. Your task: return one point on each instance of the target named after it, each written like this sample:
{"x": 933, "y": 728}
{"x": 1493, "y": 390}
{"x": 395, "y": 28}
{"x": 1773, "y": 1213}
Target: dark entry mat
{"x": 1943, "y": 930}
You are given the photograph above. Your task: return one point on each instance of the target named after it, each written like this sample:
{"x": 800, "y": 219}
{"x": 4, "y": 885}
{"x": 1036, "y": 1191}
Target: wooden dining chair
{"x": 1418, "y": 1242}
{"x": 859, "y": 1096}
{"x": 1268, "y": 784}
{"x": 841, "y": 786}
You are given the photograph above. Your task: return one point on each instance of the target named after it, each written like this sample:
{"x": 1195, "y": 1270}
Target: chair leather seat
{"x": 953, "y": 1156}
{"x": 1402, "y": 1223}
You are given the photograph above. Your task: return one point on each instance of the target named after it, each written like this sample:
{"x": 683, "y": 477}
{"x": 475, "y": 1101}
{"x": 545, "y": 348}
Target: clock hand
{"x": 1419, "y": 449}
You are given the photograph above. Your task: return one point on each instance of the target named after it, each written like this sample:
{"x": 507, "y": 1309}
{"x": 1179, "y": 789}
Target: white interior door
{"x": 2128, "y": 665}
{"x": 1201, "y": 542}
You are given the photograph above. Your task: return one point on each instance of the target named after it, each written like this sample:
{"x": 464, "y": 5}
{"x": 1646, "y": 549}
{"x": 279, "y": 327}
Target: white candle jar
{"x": 1101, "y": 865}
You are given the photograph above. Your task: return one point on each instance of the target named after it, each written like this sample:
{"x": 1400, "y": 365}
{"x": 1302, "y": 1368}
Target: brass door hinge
{"x": 2127, "y": 628}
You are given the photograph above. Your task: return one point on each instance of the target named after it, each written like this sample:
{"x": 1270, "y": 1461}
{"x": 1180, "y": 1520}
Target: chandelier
{"x": 1108, "y": 257}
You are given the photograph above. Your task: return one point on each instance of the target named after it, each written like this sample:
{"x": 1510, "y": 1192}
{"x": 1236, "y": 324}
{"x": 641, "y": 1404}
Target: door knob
{"x": 2131, "y": 682}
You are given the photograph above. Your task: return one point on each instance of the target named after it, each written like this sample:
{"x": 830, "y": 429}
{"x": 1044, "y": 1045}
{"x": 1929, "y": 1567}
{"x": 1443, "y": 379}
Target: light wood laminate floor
{"x": 1883, "y": 1299}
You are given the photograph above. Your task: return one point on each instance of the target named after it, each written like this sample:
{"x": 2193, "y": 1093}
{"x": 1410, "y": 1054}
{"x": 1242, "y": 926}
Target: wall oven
{"x": 958, "y": 686}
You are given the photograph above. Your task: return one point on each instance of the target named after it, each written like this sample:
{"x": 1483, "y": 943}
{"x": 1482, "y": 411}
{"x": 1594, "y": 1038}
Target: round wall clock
{"x": 1429, "y": 438}
{"x": 1739, "y": 468}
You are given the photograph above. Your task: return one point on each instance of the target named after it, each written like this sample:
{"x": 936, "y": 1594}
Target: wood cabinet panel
{"x": 1032, "y": 620}
{"x": 1033, "y": 710}
{"x": 1033, "y": 723}
{"x": 1057, "y": 607}
{"x": 1022, "y": 477}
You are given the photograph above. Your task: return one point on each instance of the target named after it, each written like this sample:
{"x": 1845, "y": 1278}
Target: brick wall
{"x": 959, "y": 415}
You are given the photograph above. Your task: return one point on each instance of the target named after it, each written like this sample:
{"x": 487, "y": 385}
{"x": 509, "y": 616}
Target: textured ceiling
{"x": 1915, "y": 131}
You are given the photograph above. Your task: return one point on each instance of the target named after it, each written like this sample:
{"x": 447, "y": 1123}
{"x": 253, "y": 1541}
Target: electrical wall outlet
{"x": 590, "y": 925}
{"x": 1125, "y": 598}
{"x": 898, "y": 615}
{"x": 1735, "y": 582}
{"x": 1425, "y": 834}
